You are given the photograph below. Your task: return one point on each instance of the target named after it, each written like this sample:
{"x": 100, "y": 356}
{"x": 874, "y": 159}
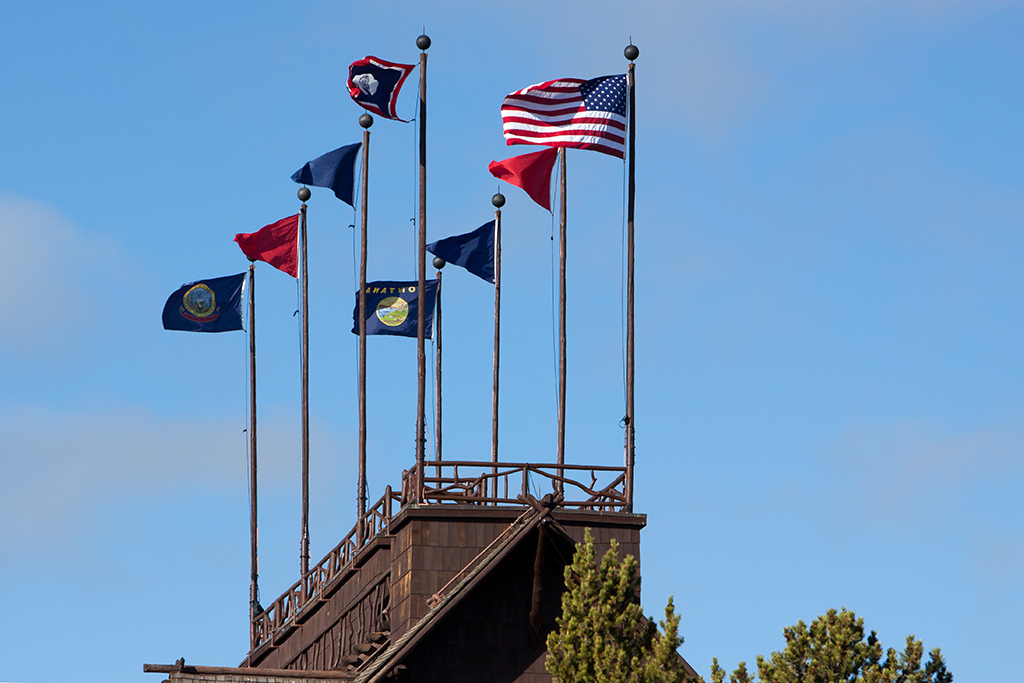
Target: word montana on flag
{"x": 570, "y": 112}
{"x": 392, "y": 308}
{"x": 213, "y": 305}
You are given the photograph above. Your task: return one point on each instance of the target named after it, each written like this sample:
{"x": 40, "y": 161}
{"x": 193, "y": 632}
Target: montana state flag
{"x": 392, "y": 308}
{"x": 213, "y": 305}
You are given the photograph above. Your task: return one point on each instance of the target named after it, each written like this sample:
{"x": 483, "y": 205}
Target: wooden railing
{"x": 484, "y": 483}
{"x": 446, "y": 482}
{"x": 310, "y": 588}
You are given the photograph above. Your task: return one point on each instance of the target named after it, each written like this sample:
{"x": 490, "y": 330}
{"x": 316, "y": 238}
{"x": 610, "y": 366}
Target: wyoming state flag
{"x": 392, "y": 308}
{"x": 213, "y": 305}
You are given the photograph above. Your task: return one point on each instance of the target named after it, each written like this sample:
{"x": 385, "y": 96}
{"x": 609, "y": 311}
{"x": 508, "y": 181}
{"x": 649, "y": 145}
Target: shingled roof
{"x": 449, "y": 597}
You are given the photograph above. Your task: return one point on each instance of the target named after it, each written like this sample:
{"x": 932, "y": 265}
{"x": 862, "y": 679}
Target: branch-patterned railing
{"x": 310, "y": 588}
{"x": 446, "y": 482}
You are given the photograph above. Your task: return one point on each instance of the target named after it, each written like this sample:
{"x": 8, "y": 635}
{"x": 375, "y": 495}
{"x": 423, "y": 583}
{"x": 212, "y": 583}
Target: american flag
{"x": 569, "y": 112}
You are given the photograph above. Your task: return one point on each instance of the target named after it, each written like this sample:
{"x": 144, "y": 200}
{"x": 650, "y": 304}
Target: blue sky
{"x": 829, "y": 293}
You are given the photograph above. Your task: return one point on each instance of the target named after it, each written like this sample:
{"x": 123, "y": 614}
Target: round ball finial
{"x": 631, "y": 52}
{"x": 423, "y": 42}
{"x": 304, "y": 194}
{"x": 439, "y": 262}
{"x": 365, "y": 120}
{"x": 498, "y": 200}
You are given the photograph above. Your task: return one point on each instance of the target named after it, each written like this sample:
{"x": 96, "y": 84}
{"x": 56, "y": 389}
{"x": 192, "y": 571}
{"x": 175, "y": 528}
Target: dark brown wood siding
{"x": 485, "y": 637}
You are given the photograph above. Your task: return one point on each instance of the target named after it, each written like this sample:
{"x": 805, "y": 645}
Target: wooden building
{"x": 462, "y": 586}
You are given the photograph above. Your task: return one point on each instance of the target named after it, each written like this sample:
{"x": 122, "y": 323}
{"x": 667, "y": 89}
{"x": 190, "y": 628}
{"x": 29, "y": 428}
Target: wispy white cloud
{"x": 59, "y": 467}
{"x": 716, "y": 66}
{"x": 54, "y": 274}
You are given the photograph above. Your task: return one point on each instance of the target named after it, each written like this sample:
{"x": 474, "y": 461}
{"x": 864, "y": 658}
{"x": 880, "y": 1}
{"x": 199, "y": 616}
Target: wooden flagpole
{"x": 561, "y": 319}
{"x": 254, "y": 592}
{"x": 498, "y": 200}
{"x": 365, "y": 120}
{"x": 423, "y": 43}
{"x": 439, "y": 263}
{"x": 304, "y": 552}
{"x": 631, "y": 53}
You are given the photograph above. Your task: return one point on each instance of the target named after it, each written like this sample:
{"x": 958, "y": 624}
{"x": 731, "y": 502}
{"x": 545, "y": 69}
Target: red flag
{"x": 276, "y": 244}
{"x": 532, "y": 172}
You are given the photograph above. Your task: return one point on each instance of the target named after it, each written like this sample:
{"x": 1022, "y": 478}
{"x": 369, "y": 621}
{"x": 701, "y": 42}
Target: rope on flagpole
{"x": 432, "y": 443}
{"x": 248, "y": 393}
{"x": 415, "y": 188}
{"x": 357, "y": 207}
{"x": 554, "y": 313}
{"x": 622, "y": 277}
{"x": 298, "y": 314}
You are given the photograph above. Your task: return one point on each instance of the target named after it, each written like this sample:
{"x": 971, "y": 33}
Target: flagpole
{"x": 254, "y": 593}
{"x": 631, "y": 53}
{"x": 439, "y": 263}
{"x": 365, "y": 120}
{"x": 561, "y": 319}
{"x": 304, "y": 195}
{"x": 423, "y": 43}
{"x": 498, "y": 200}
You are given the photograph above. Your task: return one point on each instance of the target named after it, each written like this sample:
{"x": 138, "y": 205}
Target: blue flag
{"x": 374, "y": 85}
{"x": 391, "y": 308}
{"x": 213, "y": 305}
{"x": 474, "y": 251}
{"x": 335, "y": 170}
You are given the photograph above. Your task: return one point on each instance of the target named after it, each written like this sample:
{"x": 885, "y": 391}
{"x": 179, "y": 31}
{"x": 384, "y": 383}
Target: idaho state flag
{"x": 213, "y": 305}
{"x": 391, "y": 308}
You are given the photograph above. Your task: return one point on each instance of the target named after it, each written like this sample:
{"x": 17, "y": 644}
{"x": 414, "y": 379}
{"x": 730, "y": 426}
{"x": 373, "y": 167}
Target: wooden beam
{"x": 244, "y": 671}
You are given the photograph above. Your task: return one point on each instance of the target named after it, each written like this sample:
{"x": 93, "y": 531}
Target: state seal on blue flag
{"x": 392, "y": 308}
{"x": 213, "y": 305}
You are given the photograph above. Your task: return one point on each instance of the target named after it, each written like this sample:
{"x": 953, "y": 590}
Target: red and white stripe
{"x": 552, "y": 114}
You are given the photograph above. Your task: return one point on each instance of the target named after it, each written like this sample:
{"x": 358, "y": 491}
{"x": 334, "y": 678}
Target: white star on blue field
{"x": 607, "y": 94}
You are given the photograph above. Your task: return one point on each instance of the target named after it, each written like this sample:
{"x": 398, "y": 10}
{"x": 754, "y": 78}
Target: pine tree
{"x": 834, "y": 650}
{"x": 602, "y": 636}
